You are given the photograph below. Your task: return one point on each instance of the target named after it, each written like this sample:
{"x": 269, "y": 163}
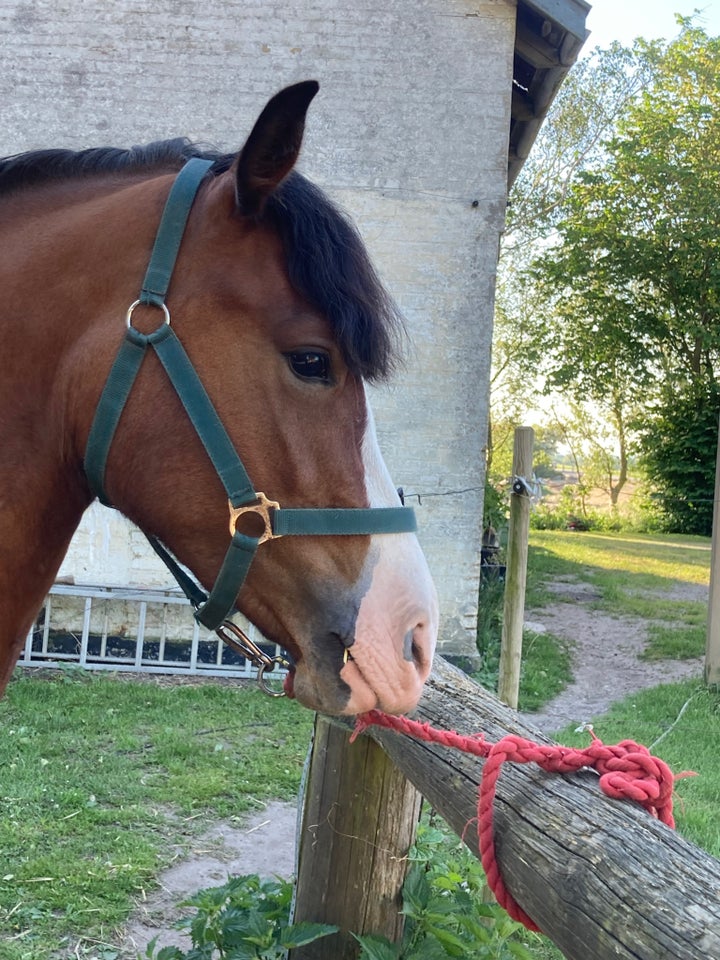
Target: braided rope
{"x": 627, "y": 771}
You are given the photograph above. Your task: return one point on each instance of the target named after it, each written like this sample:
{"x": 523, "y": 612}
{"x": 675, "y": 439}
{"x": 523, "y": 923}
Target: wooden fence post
{"x": 516, "y": 570}
{"x": 358, "y": 823}
{"x": 601, "y": 877}
{"x": 712, "y": 651}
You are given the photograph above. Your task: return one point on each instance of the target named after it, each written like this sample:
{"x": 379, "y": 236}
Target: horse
{"x": 276, "y": 319}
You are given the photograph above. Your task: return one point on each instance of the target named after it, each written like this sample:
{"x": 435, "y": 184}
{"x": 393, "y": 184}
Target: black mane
{"x": 326, "y": 258}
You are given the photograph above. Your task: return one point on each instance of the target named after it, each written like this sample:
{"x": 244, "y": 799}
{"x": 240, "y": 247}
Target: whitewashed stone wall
{"x": 409, "y": 133}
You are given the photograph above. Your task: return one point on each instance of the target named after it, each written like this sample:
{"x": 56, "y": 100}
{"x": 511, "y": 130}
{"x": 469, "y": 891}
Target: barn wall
{"x": 409, "y": 133}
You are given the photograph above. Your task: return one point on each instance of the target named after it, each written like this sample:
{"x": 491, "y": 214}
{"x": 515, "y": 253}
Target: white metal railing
{"x": 118, "y": 628}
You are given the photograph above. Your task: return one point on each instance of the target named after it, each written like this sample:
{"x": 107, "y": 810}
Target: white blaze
{"x": 400, "y": 603}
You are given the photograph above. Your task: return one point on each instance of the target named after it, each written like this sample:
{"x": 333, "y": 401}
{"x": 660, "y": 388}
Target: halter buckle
{"x": 262, "y": 508}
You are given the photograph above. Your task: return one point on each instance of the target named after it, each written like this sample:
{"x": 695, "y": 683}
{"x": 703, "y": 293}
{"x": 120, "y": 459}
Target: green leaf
{"x": 518, "y": 950}
{"x": 416, "y": 891}
{"x": 377, "y": 948}
{"x": 166, "y": 953}
{"x": 454, "y": 946}
{"x": 300, "y": 934}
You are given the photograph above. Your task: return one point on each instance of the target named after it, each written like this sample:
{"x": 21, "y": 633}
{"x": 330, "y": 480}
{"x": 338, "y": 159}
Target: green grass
{"x": 546, "y": 669}
{"x": 634, "y": 576}
{"x": 101, "y": 778}
{"x": 653, "y": 560}
{"x": 546, "y": 666}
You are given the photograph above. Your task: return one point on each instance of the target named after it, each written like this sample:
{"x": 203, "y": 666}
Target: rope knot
{"x": 628, "y": 771}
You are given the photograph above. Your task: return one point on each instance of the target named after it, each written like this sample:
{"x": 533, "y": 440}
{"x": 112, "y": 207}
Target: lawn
{"x": 102, "y": 781}
{"x": 647, "y": 577}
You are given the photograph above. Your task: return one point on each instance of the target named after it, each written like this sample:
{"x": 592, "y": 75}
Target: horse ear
{"x": 272, "y": 147}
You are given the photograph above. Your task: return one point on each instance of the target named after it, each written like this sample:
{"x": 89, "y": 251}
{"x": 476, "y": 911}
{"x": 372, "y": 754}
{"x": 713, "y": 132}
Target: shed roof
{"x": 548, "y": 37}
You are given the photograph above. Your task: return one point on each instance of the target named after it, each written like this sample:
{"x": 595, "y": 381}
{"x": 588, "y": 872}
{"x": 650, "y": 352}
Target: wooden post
{"x": 516, "y": 572}
{"x": 601, "y": 877}
{"x": 712, "y": 650}
{"x": 359, "y": 819}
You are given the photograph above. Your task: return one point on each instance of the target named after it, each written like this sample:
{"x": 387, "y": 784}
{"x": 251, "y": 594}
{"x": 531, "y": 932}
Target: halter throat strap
{"x": 210, "y": 610}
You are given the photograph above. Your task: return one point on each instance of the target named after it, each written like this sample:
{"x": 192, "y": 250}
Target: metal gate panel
{"x": 128, "y": 629}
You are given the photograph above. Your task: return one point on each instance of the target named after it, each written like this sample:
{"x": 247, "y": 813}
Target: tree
{"x": 632, "y": 280}
{"x": 680, "y": 460}
{"x": 583, "y": 116}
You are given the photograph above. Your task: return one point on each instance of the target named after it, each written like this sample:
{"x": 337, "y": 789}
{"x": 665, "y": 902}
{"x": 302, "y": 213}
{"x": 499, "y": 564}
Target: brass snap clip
{"x": 262, "y": 508}
{"x": 236, "y": 638}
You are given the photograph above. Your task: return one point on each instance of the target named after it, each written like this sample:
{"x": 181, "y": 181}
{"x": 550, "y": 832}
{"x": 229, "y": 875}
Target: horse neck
{"x": 61, "y": 249}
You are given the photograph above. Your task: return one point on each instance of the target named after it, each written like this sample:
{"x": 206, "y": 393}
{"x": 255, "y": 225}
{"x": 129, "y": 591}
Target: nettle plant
{"x": 443, "y": 903}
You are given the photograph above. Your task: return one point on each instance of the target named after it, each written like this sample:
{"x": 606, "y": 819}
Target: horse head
{"x": 276, "y": 304}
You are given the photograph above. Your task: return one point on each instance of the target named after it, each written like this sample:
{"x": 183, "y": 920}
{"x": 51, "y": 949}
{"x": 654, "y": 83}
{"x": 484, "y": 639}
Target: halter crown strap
{"x": 213, "y": 609}
{"x": 171, "y": 230}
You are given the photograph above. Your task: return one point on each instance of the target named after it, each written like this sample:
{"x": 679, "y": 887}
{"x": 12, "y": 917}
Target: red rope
{"x": 627, "y": 772}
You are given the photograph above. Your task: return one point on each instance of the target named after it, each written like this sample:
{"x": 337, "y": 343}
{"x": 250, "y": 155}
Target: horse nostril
{"x": 413, "y": 648}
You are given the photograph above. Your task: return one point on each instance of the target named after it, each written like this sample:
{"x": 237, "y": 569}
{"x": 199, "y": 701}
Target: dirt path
{"x": 606, "y": 667}
{"x": 606, "y": 653}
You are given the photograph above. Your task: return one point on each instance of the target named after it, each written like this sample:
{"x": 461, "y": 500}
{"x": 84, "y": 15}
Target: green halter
{"x": 211, "y": 610}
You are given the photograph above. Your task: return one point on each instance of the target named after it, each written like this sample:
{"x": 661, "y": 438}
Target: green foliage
{"x": 634, "y": 280}
{"x": 444, "y": 904}
{"x": 244, "y": 919}
{"x": 569, "y": 514}
{"x": 680, "y": 443}
{"x": 622, "y": 304}
{"x": 495, "y": 505}
{"x": 446, "y": 910}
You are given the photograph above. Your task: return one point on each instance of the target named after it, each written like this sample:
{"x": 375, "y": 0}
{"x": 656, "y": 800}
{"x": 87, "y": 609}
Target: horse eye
{"x": 310, "y": 365}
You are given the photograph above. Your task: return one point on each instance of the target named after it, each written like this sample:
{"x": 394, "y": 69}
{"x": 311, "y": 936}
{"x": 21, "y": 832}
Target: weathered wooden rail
{"x": 600, "y": 877}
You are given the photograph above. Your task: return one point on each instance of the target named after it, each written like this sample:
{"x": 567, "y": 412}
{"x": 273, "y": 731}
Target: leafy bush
{"x": 679, "y": 442}
{"x": 446, "y": 913}
{"x": 443, "y": 902}
{"x": 496, "y": 504}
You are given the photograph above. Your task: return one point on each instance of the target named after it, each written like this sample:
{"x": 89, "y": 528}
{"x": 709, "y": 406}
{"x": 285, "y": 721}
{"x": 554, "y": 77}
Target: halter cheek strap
{"x": 213, "y": 609}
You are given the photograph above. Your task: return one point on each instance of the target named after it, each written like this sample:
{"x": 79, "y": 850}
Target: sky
{"x": 624, "y": 20}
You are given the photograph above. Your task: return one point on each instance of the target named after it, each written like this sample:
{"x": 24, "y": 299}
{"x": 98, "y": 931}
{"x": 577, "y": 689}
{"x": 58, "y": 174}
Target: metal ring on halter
{"x": 267, "y": 668}
{"x": 137, "y": 303}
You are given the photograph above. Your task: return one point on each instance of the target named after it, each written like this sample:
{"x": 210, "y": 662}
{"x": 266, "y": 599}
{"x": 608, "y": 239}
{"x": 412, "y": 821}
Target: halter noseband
{"x": 214, "y": 609}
